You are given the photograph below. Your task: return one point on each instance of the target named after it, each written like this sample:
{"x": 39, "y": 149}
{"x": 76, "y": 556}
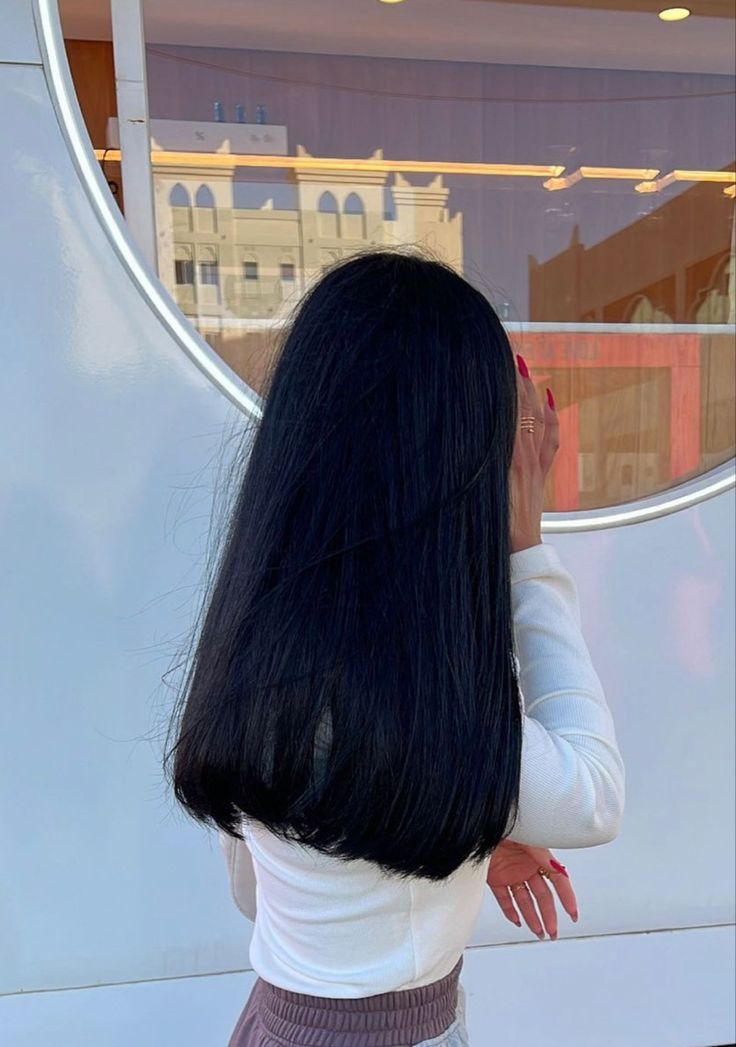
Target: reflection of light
{"x": 553, "y": 173}
{"x": 674, "y": 14}
{"x": 229, "y": 161}
{"x": 649, "y": 186}
{"x": 391, "y": 1}
{"x": 628, "y": 174}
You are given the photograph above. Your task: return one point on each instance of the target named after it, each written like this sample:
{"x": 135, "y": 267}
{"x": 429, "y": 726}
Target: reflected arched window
{"x": 328, "y": 216}
{"x": 183, "y": 265}
{"x": 179, "y": 196}
{"x": 204, "y": 197}
{"x": 206, "y": 212}
{"x": 209, "y": 270}
{"x": 716, "y": 302}
{"x": 251, "y": 275}
{"x": 353, "y": 224}
{"x": 181, "y": 207}
{"x": 643, "y": 311}
{"x": 287, "y": 270}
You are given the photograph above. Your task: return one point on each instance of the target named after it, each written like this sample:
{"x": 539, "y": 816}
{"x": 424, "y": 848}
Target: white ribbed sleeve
{"x": 572, "y": 774}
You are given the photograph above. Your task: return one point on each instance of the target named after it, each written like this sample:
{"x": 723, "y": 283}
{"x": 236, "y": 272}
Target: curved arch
{"x": 642, "y": 310}
{"x": 204, "y": 197}
{"x": 713, "y": 303}
{"x": 287, "y": 269}
{"x": 353, "y": 204}
{"x": 328, "y": 216}
{"x": 183, "y": 265}
{"x": 179, "y": 196}
{"x": 353, "y": 220}
{"x": 56, "y": 67}
{"x": 327, "y": 203}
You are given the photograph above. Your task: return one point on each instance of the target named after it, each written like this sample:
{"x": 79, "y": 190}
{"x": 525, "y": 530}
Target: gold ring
{"x": 516, "y": 887}
{"x": 543, "y": 872}
{"x": 527, "y": 423}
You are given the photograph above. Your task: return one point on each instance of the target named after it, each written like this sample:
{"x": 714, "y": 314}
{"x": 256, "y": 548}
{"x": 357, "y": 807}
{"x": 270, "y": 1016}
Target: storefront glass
{"x": 576, "y": 163}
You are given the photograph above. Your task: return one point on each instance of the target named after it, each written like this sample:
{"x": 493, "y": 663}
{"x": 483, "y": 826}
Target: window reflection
{"x": 593, "y": 206}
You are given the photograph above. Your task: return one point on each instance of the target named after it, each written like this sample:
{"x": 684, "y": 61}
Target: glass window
{"x": 574, "y": 161}
{"x": 209, "y": 273}
{"x": 184, "y": 271}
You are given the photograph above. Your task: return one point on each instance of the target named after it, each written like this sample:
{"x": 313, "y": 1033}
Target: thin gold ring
{"x": 543, "y": 872}
{"x": 528, "y": 422}
{"x": 516, "y": 886}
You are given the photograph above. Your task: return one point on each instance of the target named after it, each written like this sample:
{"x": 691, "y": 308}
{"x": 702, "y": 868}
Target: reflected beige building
{"x": 227, "y": 265}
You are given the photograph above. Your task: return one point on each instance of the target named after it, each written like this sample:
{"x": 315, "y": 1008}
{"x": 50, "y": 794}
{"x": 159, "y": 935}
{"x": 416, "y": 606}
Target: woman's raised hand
{"x": 533, "y": 455}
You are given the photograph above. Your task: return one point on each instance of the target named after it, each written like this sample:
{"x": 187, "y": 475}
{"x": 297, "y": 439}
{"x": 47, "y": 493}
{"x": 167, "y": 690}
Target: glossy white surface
{"x": 110, "y": 444}
{"x": 18, "y": 41}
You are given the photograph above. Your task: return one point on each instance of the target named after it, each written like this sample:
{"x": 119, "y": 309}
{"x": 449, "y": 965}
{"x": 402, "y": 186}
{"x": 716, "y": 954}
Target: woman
{"x": 391, "y": 701}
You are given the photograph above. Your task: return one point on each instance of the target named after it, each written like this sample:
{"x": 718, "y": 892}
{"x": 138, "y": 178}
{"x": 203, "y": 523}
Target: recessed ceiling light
{"x": 674, "y": 14}
{"x": 391, "y": 1}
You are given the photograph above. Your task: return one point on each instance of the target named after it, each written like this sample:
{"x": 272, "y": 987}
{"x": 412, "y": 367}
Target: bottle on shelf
{"x": 240, "y": 114}
{"x": 219, "y": 112}
{"x": 261, "y": 114}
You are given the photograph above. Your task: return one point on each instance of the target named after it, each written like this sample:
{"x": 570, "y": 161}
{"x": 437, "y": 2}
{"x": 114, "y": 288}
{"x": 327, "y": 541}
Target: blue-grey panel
{"x": 18, "y": 41}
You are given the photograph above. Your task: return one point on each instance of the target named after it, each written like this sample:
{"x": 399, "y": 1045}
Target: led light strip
{"x": 646, "y": 178}
{"x": 653, "y": 185}
{"x": 229, "y": 161}
{"x": 627, "y": 174}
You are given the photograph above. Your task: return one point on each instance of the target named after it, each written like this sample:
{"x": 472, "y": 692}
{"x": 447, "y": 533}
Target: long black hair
{"x": 353, "y": 684}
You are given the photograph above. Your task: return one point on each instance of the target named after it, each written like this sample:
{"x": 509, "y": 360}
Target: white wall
{"x": 110, "y": 436}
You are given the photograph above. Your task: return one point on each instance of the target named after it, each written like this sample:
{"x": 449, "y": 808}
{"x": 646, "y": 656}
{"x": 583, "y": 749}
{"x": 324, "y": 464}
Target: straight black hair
{"x": 353, "y": 685}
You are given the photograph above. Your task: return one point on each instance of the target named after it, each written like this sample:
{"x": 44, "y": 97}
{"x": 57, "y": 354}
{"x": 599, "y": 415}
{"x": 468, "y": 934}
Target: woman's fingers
{"x": 523, "y": 898}
{"x": 503, "y": 898}
{"x": 545, "y": 903}
{"x": 565, "y": 893}
{"x": 528, "y": 390}
{"x": 551, "y": 438}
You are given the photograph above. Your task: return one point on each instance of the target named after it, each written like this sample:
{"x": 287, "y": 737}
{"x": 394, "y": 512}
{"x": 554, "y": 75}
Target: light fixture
{"x": 390, "y": 1}
{"x": 554, "y": 174}
{"x": 620, "y": 173}
{"x": 229, "y": 161}
{"x": 675, "y": 14}
{"x": 655, "y": 186}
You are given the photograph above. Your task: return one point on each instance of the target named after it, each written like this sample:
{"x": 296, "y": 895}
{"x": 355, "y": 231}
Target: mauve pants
{"x": 429, "y": 1016}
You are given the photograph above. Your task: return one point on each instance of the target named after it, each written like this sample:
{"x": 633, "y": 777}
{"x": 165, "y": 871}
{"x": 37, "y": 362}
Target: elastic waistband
{"x": 390, "y": 1019}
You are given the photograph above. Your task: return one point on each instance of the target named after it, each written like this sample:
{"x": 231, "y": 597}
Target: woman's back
{"x": 390, "y": 680}
{"x": 346, "y": 929}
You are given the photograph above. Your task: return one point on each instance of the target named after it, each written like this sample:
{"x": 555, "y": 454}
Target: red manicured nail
{"x": 560, "y": 868}
{"x": 522, "y": 366}
{"x": 550, "y": 399}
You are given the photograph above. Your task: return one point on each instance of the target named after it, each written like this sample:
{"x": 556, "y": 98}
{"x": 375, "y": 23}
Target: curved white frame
{"x": 61, "y": 89}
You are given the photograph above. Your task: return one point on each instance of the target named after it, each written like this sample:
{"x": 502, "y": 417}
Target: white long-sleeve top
{"x": 330, "y": 927}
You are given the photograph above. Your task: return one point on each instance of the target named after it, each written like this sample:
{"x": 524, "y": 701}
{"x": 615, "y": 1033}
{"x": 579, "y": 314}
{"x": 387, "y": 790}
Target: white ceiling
{"x": 462, "y": 30}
